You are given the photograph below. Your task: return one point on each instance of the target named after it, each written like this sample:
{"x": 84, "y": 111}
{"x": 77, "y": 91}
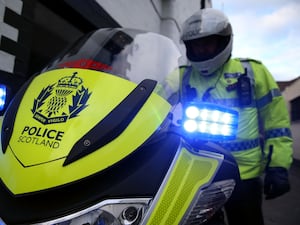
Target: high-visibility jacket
{"x": 267, "y": 108}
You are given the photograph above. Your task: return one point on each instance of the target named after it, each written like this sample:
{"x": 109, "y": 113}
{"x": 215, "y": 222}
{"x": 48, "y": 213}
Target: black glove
{"x": 276, "y": 182}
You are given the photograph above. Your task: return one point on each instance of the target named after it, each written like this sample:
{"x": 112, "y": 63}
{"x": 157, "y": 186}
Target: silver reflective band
{"x": 230, "y": 102}
{"x": 112, "y": 212}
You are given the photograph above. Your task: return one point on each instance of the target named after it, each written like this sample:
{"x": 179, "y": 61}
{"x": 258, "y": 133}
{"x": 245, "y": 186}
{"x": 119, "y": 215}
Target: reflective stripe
{"x": 263, "y": 101}
{"x": 185, "y": 82}
{"x": 240, "y": 146}
{"x": 260, "y": 102}
{"x": 230, "y": 102}
{"x": 279, "y": 132}
{"x": 246, "y": 64}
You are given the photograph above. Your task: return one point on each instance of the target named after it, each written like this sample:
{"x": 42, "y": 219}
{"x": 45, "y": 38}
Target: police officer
{"x": 264, "y": 144}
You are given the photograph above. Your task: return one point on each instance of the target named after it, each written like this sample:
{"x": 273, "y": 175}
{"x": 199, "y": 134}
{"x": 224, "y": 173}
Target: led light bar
{"x": 210, "y": 121}
{"x": 3, "y": 92}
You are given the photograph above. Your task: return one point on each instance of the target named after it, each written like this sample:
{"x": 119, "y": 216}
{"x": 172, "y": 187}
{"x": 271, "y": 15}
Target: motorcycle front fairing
{"x": 91, "y": 132}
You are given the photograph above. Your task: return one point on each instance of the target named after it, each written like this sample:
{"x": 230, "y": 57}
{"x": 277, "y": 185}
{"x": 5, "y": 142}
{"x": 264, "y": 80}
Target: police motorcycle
{"x": 91, "y": 139}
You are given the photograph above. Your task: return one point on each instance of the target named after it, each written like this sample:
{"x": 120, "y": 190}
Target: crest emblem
{"x": 52, "y": 105}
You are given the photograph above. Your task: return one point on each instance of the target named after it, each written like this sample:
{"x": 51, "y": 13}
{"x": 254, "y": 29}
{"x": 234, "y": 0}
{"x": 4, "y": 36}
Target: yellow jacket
{"x": 255, "y": 146}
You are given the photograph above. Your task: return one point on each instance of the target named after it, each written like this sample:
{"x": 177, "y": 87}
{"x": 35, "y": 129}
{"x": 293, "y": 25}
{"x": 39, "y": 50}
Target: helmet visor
{"x": 202, "y": 49}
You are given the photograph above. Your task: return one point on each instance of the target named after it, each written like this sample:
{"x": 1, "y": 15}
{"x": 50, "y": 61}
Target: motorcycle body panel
{"x": 190, "y": 172}
{"x": 91, "y": 139}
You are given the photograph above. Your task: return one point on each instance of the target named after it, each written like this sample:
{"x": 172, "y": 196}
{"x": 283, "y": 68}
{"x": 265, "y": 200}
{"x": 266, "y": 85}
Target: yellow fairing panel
{"x": 190, "y": 173}
{"x": 58, "y": 108}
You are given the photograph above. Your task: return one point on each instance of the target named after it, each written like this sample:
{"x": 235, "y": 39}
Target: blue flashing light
{"x": 190, "y": 125}
{"x": 192, "y": 112}
{"x": 210, "y": 121}
{"x": 3, "y": 92}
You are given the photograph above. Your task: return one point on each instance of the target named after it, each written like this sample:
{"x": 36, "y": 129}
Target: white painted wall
{"x": 290, "y": 93}
{"x": 295, "y": 127}
{"x": 139, "y": 14}
{"x": 160, "y": 16}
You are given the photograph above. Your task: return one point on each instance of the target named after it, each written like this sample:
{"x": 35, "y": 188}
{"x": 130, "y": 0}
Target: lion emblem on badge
{"x": 51, "y": 105}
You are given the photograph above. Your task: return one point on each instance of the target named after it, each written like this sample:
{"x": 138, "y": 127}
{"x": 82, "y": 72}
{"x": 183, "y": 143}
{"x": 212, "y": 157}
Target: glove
{"x": 276, "y": 182}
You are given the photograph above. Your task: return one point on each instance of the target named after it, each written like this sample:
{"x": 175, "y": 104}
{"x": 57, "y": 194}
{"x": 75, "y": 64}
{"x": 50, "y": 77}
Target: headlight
{"x": 210, "y": 121}
{"x": 109, "y": 212}
{"x": 3, "y": 92}
{"x": 2, "y": 222}
{"x": 208, "y": 201}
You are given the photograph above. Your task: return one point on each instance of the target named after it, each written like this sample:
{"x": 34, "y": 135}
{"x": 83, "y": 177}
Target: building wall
{"x": 161, "y": 16}
{"x": 8, "y": 31}
{"x": 291, "y": 92}
{"x": 14, "y": 39}
{"x": 140, "y": 14}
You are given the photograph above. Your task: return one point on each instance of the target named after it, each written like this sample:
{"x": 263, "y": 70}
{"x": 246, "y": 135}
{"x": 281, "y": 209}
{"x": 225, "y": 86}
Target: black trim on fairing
{"x": 140, "y": 174}
{"x": 113, "y": 124}
{"x": 10, "y": 115}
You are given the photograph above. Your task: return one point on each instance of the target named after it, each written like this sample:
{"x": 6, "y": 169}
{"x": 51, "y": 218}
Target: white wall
{"x": 139, "y": 14}
{"x": 295, "y": 127}
{"x": 160, "y": 16}
{"x": 290, "y": 93}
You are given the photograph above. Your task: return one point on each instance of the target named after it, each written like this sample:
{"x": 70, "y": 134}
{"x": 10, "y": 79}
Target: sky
{"x": 268, "y": 31}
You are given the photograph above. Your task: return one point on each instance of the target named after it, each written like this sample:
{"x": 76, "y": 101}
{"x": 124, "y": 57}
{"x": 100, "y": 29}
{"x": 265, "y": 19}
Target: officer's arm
{"x": 274, "y": 118}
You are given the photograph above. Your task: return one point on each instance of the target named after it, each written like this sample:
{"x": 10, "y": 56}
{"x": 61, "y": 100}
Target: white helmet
{"x": 205, "y": 26}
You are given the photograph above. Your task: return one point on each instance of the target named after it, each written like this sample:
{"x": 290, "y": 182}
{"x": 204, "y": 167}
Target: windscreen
{"x": 131, "y": 54}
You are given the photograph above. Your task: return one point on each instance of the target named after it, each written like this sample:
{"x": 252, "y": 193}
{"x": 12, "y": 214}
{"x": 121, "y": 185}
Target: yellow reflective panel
{"x": 59, "y": 107}
{"x": 190, "y": 173}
